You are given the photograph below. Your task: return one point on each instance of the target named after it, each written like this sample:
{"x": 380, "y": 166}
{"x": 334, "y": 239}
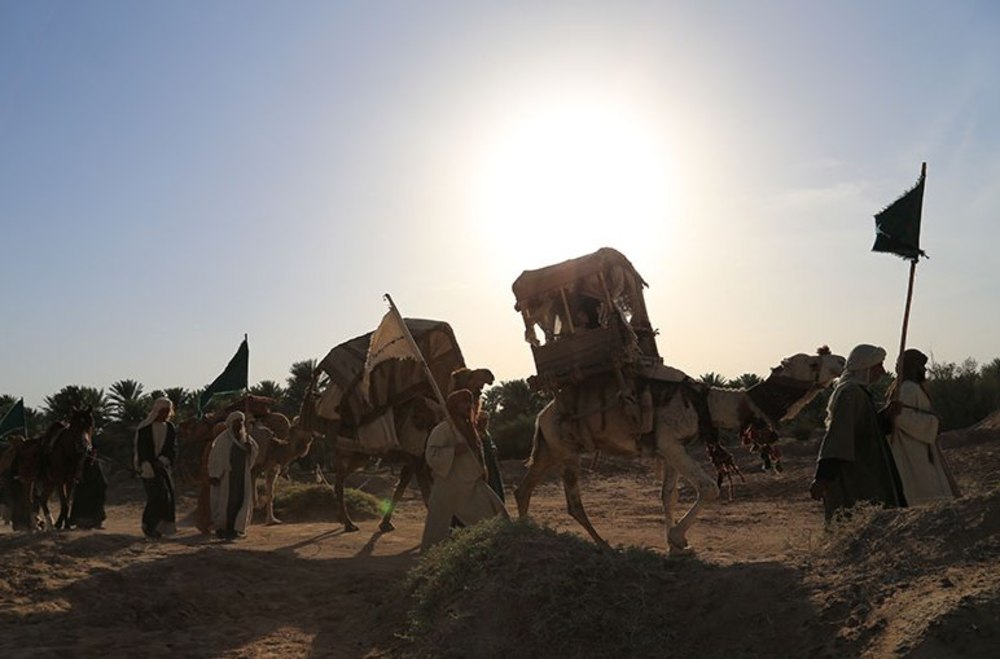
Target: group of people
{"x": 230, "y": 461}
{"x": 467, "y": 484}
{"x": 885, "y": 455}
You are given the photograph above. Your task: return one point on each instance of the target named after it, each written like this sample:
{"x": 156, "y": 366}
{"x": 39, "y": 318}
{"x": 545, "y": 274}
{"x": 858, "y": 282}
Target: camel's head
{"x": 819, "y": 370}
{"x": 475, "y": 380}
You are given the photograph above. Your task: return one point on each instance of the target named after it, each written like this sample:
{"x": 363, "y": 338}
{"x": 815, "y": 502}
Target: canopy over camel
{"x": 597, "y": 355}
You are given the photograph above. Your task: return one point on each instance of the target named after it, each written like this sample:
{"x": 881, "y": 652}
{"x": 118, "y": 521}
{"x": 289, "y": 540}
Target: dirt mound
{"x": 916, "y": 581}
{"x": 520, "y": 590}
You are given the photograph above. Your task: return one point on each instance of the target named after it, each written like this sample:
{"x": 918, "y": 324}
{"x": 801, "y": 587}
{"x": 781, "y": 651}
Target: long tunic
{"x": 231, "y": 466}
{"x": 459, "y": 489}
{"x": 87, "y": 511}
{"x": 494, "y": 477}
{"x": 921, "y": 465}
{"x": 854, "y": 456}
{"x": 156, "y": 446}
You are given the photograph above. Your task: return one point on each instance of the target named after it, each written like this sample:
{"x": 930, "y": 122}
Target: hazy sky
{"x": 174, "y": 174}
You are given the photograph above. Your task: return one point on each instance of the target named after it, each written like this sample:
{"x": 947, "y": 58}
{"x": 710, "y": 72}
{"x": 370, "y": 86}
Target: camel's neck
{"x": 781, "y": 398}
{"x": 729, "y": 407}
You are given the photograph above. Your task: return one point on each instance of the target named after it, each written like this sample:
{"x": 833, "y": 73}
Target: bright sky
{"x": 174, "y": 174}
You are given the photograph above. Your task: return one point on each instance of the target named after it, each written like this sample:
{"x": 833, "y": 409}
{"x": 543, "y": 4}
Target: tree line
{"x": 963, "y": 394}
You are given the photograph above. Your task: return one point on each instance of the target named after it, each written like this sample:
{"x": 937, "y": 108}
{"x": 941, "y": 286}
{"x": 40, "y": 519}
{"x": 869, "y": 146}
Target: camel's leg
{"x": 571, "y": 483}
{"x": 342, "y": 469}
{"x": 424, "y": 480}
{"x": 404, "y": 479}
{"x": 542, "y": 462}
{"x": 706, "y": 491}
{"x": 270, "y": 478}
{"x": 668, "y": 492}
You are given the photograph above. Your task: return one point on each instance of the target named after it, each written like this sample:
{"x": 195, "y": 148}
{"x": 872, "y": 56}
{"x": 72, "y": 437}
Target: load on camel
{"x": 595, "y": 351}
{"x": 387, "y": 415}
{"x": 280, "y": 442}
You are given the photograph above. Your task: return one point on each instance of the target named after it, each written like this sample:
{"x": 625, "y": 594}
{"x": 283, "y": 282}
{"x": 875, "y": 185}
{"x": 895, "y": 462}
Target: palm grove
{"x": 963, "y": 393}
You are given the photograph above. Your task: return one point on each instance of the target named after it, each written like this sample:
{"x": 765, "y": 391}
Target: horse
{"x": 557, "y": 439}
{"x": 64, "y": 449}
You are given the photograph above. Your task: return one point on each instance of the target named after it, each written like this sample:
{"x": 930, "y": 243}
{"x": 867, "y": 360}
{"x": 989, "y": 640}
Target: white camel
{"x": 557, "y": 441}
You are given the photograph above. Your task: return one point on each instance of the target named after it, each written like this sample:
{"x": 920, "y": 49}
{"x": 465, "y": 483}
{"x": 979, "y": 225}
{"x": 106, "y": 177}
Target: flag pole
{"x": 430, "y": 376}
{"x": 906, "y": 308}
{"x": 246, "y": 390}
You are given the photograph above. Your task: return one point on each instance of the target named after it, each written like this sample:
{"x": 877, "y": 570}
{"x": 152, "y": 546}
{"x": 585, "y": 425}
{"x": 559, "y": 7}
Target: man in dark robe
{"x": 490, "y": 454}
{"x": 155, "y": 452}
{"x": 87, "y": 511}
{"x": 855, "y": 463}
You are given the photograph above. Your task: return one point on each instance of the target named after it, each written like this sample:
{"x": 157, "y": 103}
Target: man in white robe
{"x": 455, "y": 455}
{"x": 229, "y": 463}
{"x": 921, "y": 465}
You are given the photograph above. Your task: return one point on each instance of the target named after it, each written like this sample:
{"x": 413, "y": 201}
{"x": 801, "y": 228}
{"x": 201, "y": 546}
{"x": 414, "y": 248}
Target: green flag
{"x": 14, "y": 420}
{"x": 234, "y": 378}
{"x": 897, "y": 228}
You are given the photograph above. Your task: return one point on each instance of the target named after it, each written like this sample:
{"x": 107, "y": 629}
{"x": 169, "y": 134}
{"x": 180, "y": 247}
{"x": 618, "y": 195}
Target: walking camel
{"x": 790, "y": 386}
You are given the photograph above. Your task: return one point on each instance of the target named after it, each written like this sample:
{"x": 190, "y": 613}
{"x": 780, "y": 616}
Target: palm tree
{"x": 713, "y": 379}
{"x": 125, "y": 402}
{"x": 746, "y": 381}
{"x": 297, "y": 384}
{"x": 270, "y": 389}
{"x": 58, "y": 406}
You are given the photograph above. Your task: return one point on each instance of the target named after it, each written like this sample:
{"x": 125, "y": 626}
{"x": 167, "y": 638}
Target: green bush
{"x": 313, "y": 502}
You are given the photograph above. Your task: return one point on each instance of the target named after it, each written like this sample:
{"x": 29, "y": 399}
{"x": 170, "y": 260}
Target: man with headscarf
{"x": 455, "y": 455}
{"x": 155, "y": 452}
{"x": 922, "y": 467}
{"x": 229, "y": 463}
{"x": 855, "y": 463}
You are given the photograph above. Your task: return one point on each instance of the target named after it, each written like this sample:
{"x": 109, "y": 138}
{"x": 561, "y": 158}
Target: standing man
{"x": 459, "y": 490}
{"x": 229, "y": 462}
{"x": 155, "y": 452}
{"x": 854, "y": 462}
{"x": 922, "y": 468}
{"x": 490, "y": 454}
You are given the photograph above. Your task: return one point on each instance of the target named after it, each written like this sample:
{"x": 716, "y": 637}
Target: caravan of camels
{"x": 596, "y": 358}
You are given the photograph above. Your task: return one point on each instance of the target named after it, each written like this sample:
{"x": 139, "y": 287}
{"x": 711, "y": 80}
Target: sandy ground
{"x": 766, "y": 574}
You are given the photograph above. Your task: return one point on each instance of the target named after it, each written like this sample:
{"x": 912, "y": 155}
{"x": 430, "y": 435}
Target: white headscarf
{"x": 856, "y": 371}
{"x": 158, "y": 405}
{"x": 233, "y": 416}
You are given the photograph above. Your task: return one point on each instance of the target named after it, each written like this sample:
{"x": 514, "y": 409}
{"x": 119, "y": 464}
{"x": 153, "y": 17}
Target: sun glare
{"x": 567, "y": 180}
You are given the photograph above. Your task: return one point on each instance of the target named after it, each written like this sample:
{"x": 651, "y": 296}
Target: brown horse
{"x": 64, "y": 448}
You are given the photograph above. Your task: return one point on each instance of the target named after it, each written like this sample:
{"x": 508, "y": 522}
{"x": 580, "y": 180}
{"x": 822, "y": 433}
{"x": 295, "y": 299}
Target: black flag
{"x": 897, "y": 228}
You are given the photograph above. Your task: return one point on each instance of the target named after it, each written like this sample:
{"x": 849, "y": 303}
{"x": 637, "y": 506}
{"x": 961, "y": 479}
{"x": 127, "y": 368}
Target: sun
{"x": 564, "y": 180}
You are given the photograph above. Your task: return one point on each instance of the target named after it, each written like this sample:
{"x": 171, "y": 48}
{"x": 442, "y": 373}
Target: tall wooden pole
{"x": 906, "y": 309}
{"x": 906, "y": 320}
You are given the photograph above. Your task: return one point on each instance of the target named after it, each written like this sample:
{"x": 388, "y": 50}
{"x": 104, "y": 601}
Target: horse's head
{"x": 82, "y": 419}
{"x": 817, "y": 370}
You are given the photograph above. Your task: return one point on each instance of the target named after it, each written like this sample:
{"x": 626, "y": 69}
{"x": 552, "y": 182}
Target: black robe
{"x": 87, "y": 511}
{"x": 854, "y": 457}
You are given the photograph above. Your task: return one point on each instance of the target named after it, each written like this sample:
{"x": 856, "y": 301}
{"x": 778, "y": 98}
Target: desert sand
{"x": 766, "y": 578}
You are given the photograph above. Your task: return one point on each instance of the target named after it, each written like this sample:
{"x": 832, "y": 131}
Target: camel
{"x": 279, "y": 444}
{"x": 276, "y": 459}
{"x": 790, "y": 386}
